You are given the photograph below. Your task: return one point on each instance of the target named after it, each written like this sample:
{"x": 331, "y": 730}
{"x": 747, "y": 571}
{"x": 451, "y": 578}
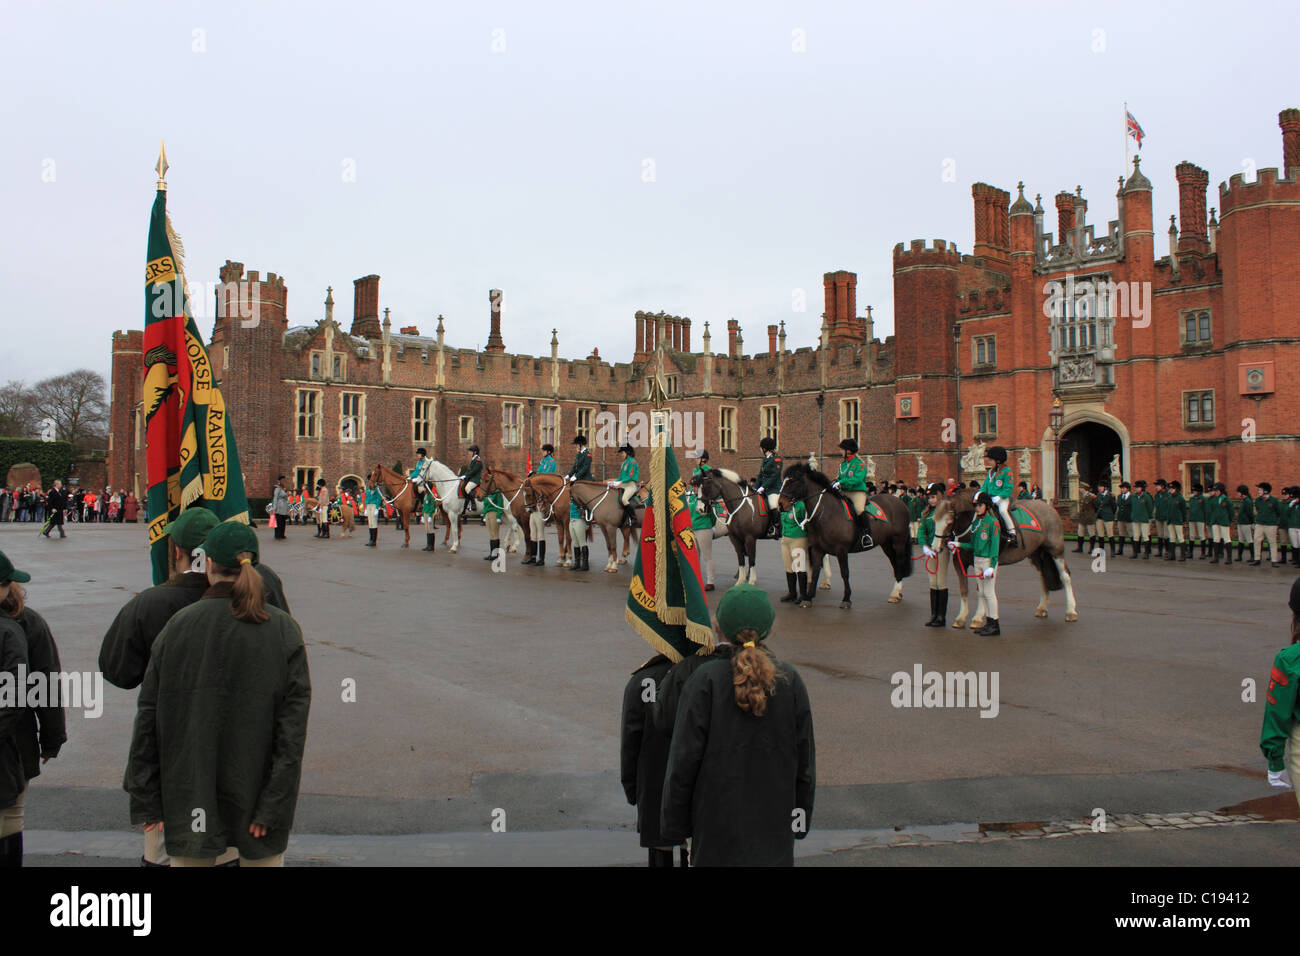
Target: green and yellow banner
{"x": 191, "y": 459}
{"x": 665, "y": 603}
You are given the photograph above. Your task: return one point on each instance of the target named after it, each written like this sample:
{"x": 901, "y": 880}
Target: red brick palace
{"x": 1182, "y": 366}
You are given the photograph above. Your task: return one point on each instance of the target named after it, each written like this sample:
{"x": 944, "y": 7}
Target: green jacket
{"x": 494, "y": 504}
{"x": 124, "y": 653}
{"x": 769, "y": 472}
{"x": 581, "y": 470}
{"x": 1162, "y": 510}
{"x": 13, "y": 657}
{"x": 1177, "y": 508}
{"x": 925, "y": 531}
{"x": 1267, "y": 510}
{"x": 1245, "y": 510}
{"x": 221, "y": 727}
{"x": 546, "y": 466}
{"x": 915, "y": 507}
{"x": 1219, "y": 510}
{"x": 1196, "y": 508}
{"x": 1141, "y": 505}
{"x": 1290, "y": 515}
{"x": 790, "y": 521}
{"x": 474, "y": 470}
{"x": 1280, "y": 706}
{"x": 999, "y": 483}
{"x": 629, "y": 471}
{"x": 701, "y": 518}
{"x": 1124, "y": 508}
{"x": 1106, "y": 504}
{"x": 1025, "y": 495}
{"x": 853, "y": 474}
{"x": 985, "y": 538}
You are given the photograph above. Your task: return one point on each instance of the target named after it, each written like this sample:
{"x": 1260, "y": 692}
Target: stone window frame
{"x": 339, "y": 372}
{"x": 855, "y": 421}
{"x": 975, "y": 421}
{"x": 991, "y": 341}
{"x": 314, "y": 418}
{"x": 428, "y": 422}
{"x": 360, "y": 417}
{"x": 554, "y": 427}
{"x": 465, "y": 428}
{"x": 584, "y": 411}
{"x": 517, "y": 425}
{"x": 772, "y": 430}
{"x": 311, "y": 473}
{"x": 1200, "y": 422}
{"x": 1199, "y": 341}
{"x": 316, "y": 365}
{"x": 727, "y": 417}
{"x": 1188, "y": 480}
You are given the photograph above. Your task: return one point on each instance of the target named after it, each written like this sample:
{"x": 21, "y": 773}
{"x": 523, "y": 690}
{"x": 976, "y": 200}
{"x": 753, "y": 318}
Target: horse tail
{"x": 903, "y": 563}
{"x": 1042, "y": 560}
{"x": 588, "y": 532}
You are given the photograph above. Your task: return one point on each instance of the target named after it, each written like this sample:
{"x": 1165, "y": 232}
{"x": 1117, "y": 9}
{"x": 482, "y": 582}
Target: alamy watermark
{"x": 951, "y": 689}
{"x": 1089, "y": 298}
{"x": 613, "y": 430}
{"x": 208, "y": 300}
{"x": 80, "y": 689}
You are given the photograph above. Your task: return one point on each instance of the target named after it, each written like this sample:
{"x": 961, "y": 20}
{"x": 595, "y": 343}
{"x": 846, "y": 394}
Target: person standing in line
{"x": 794, "y": 553}
{"x": 1106, "y": 518}
{"x": 935, "y": 558}
{"x": 703, "y": 520}
{"x": 6, "y": 501}
{"x": 1245, "y": 508}
{"x": 1267, "y": 512}
{"x": 280, "y": 506}
{"x": 1178, "y": 518}
{"x": 322, "y": 509}
{"x": 55, "y": 503}
{"x": 494, "y": 510}
{"x": 983, "y": 542}
{"x": 1142, "y": 504}
{"x": 1280, "y": 737}
{"x": 741, "y": 775}
{"x": 1290, "y": 520}
{"x": 578, "y": 536}
{"x": 644, "y": 757}
{"x": 1160, "y": 516}
{"x": 1218, "y": 511}
{"x": 373, "y": 502}
{"x": 430, "y": 509}
{"x": 1196, "y": 519}
{"x": 1087, "y": 524}
{"x": 1124, "y": 519}
{"x": 222, "y": 718}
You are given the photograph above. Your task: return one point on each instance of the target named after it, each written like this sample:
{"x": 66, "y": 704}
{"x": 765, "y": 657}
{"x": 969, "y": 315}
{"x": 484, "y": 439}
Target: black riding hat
{"x": 1266, "y": 486}
{"x": 1140, "y": 483}
{"x": 421, "y": 451}
{"x": 1161, "y": 483}
{"x": 1176, "y": 485}
{"x": 704, "y": 455}
{"x": 767, "y": 443}
{"x": 849, "y": 445}
{"x": 580, "y": 440}
{"x": 1243, "y": 490}
{"x": 997, "y": 453}
{"x": 982, "y": 497}
{"x": 1197, "y": 487}
{"x": 936, "y": 488}
{"x": 473, "y": 448}
{"x": 548, "y": 448}
{"x": 627, "y": 450}
{"x": 1220, "y": 486}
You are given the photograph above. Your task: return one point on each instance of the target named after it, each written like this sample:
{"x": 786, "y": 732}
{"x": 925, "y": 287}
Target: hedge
{"x": 53, "y": 458}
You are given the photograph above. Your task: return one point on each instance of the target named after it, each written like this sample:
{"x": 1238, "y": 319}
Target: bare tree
{"x": 77, "y": 405}
{"x": 17, "y": 418}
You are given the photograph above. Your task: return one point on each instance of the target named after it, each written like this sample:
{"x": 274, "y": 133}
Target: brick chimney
{"x": 365, "y": 307}
{"x": 841, "y": 303}
{"x": 686, "y": 335}
{"x": 1289, "y": 120}
{"x": 1064, "y": 216}
{"x": 992, "y": 224}
{"x": 771, "y": 340}
{"x": 1195, "y": 236}
{"x": 494, "y": 342}
{"x": 732, "y": 328}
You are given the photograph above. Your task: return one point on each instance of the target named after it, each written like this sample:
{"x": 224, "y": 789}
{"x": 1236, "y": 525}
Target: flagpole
{"x": 1125, "y": 170}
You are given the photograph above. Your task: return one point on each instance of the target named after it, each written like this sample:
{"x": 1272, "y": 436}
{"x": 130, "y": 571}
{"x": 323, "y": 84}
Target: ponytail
{"x": 249, "y": 594}
{"x": 753, "y": 673}
{"x": 14, "y": 603}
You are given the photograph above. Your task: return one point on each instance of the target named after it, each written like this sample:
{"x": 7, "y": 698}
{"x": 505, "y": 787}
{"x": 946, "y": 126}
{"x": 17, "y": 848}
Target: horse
{"x": 512, "y": 490}
{"x": 833, "y": 530}
{"x": 549, "y": 494}
{"x": 397, "y": 489}
{"x": 445, "y": 484}
{"x": 746, "y": 515}
{"x": 1044, "y": 546}
{"x": 605, "y": 504}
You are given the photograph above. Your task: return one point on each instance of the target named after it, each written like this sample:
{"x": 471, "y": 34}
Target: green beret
{"x": 745, "y": 607}
{"x": 190, "y": 527}
{"x": 227, "y": 541}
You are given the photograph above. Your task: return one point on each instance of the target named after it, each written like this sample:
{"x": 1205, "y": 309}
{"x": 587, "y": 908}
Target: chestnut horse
{"x": 511, "y": 487}
{"x": 549, "y": 494}
{"x": 605, "y": 506}
{"x": 1044, "y": 546}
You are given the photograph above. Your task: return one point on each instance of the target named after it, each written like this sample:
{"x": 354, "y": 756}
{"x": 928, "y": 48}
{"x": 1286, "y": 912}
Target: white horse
{"x": 443, "y": 482}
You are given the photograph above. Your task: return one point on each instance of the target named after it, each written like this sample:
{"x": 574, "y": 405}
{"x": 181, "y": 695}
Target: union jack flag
{"x": 1135, "y": 128}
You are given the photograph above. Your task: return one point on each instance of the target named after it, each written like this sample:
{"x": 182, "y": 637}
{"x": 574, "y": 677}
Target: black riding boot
{"x": 11, "y": 850}
{"x": 941, "y": 615}
{"x": 990, "y": 628}
{"x": 541, "y": 554}
{"x": 1218, "y": 552}
{"x": 327, "y": 530}
{"x": 532, "y": 554}
{"x": 1137, "y": 550}
{"x": 805, "y": 596}
{"x": 374, "y": 538}
{"x": 1115, "y": 547}
{"x": 493, "y": 545}
{"x": 1227, "y": 553}
{"x": 1169, "y": 551}
{"x": 1079, "y": 549}
{"x": 1146, "y": 555}
{"x": 935, "y": 620}
{"x": 428, "y": 542}
{"x": 661, "y": 858}
{"x": 792, "y": 583}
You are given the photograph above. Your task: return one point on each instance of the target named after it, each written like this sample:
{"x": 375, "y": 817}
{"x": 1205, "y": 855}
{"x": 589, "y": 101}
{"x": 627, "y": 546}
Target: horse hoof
{"x": 846, "y": 604}
{"x": 976, "y": 624}
{"x": 406, "y": 546}
{"x": 1040, "y": 612}
{"x": 1071, "y": 617}
{"x": 826, "y": 586}
{"x": 894, "y": 599}
{"x": 959, "y": 624}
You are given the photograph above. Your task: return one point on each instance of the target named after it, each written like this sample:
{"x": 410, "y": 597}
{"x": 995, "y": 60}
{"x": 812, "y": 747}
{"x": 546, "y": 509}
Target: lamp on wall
{"x": 1054, "y": 418}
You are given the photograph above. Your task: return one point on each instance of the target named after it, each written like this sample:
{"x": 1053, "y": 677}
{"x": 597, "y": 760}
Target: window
{"x": 466, "y": 428}
{"x": 338, "y": 366}
{"x": 550, "y": 423}
{"x": 1198, "y": 408}
{"x": 225, "y": 357}
{"x": 309, "y": 413}
{"x": 317, "y": 360}
{"x": 1201, "y": 473}
{"x": 849, "y": 418}
{"x": 1080, "y": 317}
{"x": 352, "y": 418}
{"x": 584, "y": 420}
{"x": 986, "y": 420}
{"x": 672, "y": 385}
{"x": 510, "y": 424}
{"x": 727, "y": 428}
{"x": 770, "y": 422}
{"x": 422, "y": 421}
{"x": 985, "y": 350}
{"x": 305, "y": 479}
{"x": 1196, "y": 327}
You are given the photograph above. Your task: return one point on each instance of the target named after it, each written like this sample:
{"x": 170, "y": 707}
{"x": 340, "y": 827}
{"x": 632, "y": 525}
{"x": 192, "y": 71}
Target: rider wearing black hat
{"x": 629, "y": 475}
{"x": 473, "y": 476}
{"x": 581, "y": 470}
{"x": 769, "y": 484}
{"x": 999, "y": 487}
{"x": 853, "y": 482}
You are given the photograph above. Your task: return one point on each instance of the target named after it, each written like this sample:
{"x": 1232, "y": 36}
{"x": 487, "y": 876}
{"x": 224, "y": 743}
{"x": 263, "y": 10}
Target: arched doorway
{"x": 1097, "y": 445}
{"x": 350, "y": 483}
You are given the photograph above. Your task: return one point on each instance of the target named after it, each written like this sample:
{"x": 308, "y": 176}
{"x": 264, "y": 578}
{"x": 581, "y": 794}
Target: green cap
{"x": 190, "y": 527}
{"x": 227, "y": 541}
{"x": 745, "y": 607}
{"x": 9, "y": 573}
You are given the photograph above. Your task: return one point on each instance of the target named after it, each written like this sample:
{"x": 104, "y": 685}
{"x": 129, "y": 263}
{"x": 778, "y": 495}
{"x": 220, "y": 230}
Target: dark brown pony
{"x": 832, "y": 530}
{"x": 511, "y": 487}
{"x": 549, "y": 494}
{"x": 1043, "y": 546}
{"x": 398, "y": 489}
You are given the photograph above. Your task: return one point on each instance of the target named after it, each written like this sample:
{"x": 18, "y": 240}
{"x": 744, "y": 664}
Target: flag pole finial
{"x": 162, "y": 166}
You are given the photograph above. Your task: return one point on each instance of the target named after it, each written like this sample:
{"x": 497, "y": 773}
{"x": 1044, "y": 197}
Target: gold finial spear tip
{"x": 162, "y": 166}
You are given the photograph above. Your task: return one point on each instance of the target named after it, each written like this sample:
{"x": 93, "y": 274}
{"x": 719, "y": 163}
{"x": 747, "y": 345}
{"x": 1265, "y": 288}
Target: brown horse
{"x": 605, "y": 506}
{"x": 1044, "y": 546}
{"x": 511, "y": 487}
{"x": 398, "y": 489}
{"x": 549, "y": 494}
{"x": 746, "y": 516}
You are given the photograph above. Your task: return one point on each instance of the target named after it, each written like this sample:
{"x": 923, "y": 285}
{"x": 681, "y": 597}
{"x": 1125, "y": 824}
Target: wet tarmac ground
{"x": 483, "y": 697}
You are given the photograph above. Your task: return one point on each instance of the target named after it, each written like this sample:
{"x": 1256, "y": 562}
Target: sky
{"x": 706, "y": 159}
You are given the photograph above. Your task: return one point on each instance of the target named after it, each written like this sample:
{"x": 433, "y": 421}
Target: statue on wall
{"x": 921, "y": 470}
{"x": 1025, "y": 468}
{"x": 973, "y": 460}
{"x": 871, "y": 469}
{"x": 1072, "y": 465}
{"x": 1114, "y": 466}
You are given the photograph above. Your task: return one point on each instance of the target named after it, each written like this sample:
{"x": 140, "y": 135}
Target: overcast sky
{"x": 706, "y": 159}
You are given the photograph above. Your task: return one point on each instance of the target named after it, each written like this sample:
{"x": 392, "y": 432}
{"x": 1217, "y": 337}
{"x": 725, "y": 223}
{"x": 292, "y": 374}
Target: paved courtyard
{"x": 479, "y": 692}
